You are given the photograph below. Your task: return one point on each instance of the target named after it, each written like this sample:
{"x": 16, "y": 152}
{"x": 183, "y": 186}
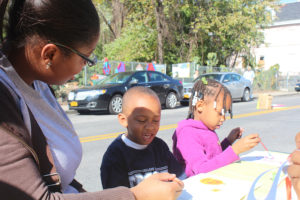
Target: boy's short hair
{"x": 136, "y": 90}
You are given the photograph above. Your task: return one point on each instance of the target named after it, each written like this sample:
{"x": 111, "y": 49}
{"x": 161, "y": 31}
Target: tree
{"x": 173, "y": 31}
{"x": 231, "y": 27}
{"x": 159, "y": 15}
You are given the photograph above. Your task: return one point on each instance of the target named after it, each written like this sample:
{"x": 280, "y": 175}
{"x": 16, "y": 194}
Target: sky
{"x": 288, "y": 1}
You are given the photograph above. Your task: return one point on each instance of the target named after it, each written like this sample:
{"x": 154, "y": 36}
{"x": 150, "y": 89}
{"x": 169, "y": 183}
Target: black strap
{"x": 42, "y": 149}
{"x": 42, "y": 155}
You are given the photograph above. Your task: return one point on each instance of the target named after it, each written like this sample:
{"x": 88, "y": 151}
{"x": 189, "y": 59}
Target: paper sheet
{"x": 235, "y": 189}
{"x": 237, "y": 179}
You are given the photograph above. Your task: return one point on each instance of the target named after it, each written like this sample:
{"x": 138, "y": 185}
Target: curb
{"x": 70, "y": 111}
{"x": 66, "y": 109}
{"x": 255, "y": 95}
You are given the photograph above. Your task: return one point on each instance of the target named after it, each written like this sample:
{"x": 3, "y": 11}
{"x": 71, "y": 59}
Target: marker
{"x": 266, "y": 149}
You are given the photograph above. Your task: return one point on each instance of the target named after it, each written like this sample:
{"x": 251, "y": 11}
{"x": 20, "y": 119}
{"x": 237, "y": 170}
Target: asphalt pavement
{"x": 277, "y": 129}
{"x": 65, "y": 106}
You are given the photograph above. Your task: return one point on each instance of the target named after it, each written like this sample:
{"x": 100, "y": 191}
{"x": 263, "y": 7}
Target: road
{"x": 277, "y": 129}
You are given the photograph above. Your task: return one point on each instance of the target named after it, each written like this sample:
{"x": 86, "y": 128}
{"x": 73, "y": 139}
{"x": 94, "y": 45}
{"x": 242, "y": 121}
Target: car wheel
{"x": 171, "y": 100}
{"x": 82, "y": 112}
{"x": 115, "y": 104}
{"x": 246, "y": 95}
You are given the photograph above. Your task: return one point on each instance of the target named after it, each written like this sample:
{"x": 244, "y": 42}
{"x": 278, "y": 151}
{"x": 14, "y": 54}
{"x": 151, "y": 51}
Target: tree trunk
{"x": 158, "y": 6}
{"x": 119, "y": 12}
{"x": 233, "y": 64}
{"x": 106, "y": 22}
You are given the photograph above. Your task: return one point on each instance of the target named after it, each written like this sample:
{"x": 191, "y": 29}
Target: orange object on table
{"x": 288, "y": 185}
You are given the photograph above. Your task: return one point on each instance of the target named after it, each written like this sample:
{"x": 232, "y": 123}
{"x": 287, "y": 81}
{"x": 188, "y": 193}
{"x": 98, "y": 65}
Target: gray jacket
{"x": 19, "y": 174}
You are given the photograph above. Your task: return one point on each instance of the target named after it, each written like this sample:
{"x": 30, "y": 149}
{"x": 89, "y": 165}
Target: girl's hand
{"x": 246, "y": 143}
{"x": 159, "y": 186}
{"x": 235, "y": 134}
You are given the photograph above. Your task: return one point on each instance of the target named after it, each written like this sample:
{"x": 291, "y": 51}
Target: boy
{"x": 137, "y": 154}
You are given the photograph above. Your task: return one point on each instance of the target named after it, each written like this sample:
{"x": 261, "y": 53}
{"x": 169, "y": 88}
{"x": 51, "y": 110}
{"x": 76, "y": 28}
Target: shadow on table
{"x": 185, "y": 196}
{"x": 251, "y": 158}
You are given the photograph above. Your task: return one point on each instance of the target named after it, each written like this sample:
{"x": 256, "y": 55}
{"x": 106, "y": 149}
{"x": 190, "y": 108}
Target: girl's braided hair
{"x": 207, "y": 88}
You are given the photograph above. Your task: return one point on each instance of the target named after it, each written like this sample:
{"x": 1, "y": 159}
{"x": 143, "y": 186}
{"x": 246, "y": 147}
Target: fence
{"x": 264, "y": 80}
{"x": 288, "y": 81}
{"x": 187, "y": 72}
{"x": 86, "y": 75}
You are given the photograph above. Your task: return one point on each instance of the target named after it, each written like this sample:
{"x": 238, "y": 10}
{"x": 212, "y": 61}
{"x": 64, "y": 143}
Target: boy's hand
{"x": 159, "y": 186}
{"x": 246, "y": 143}
{"x": 294, "y": 171}
{"x": 235, "y": 134}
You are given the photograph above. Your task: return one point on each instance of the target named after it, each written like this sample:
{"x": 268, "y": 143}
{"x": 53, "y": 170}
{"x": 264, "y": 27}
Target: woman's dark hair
{"x": 207, "y": 88}
{"x": 70, "y": 22}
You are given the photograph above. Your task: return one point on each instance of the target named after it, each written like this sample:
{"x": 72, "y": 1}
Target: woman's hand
{"x": 160, "y": 186}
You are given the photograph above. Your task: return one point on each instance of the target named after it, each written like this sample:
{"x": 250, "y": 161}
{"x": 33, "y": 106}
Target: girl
{"x": 195, "y": 143}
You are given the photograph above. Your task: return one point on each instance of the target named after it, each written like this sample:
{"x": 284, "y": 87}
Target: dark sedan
{"x": 297, "y": 87}
{"x": 108, "y": 95}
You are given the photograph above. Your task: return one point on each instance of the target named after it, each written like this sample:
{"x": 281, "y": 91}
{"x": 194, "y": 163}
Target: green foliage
{"x": 196, "y": 59}
{"x": 212, "y": 59}
{"x": 190, "y": 29}
{"x": 99, "y": 51}
{"x": 60, "y": 92}
{"x": 137, "y": 43}
{"x": 80, "y": 78}
{"x": 266, "y": 79}
{"x": 232, "y": 26}
{"x": 249, "y": 60}
{"x": 275, "y": 68}
{"x": 224, "y": 68}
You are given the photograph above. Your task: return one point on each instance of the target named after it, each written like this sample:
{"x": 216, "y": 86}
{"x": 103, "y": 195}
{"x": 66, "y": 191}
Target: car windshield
{"x": 99, "y": 82}
{"x": 216, "y": 77}
{"x": 116, "y": 78}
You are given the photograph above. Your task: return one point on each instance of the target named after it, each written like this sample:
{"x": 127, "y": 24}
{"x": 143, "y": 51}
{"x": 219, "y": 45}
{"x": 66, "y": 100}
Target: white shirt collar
{"x": 131, "y": 144}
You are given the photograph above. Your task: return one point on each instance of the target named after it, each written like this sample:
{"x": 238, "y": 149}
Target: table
{"x": 233, "y": 182}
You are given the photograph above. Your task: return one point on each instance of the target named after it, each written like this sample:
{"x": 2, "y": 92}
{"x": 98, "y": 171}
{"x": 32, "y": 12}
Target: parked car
{"x": 187, "y": 91}
{"x": 297, "y": 87}
{"x": 108, "y": 94}
{"x": 239, "y": 87}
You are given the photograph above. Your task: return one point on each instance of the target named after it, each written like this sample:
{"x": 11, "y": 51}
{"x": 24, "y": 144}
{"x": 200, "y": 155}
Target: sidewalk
{"x": 275, "y": 93}
{"x": 65, "y": 106}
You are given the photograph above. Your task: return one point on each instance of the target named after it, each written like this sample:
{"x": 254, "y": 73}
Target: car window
{"x": 227, "y": 78}
{"x": 216, "y": 77}
{"x": 235, "y": 77}
{"x": 155, "y": 77}
{"x": 116, "y": 78}
{"x": 140, "y": 77}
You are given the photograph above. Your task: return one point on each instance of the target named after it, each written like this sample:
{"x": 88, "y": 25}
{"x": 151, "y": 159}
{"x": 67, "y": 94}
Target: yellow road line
{"x": 173, "y": 126}
{"x": 264, "y": 112}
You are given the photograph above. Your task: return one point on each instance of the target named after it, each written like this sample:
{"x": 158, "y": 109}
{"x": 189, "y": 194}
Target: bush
{"x": 266, "y": 79}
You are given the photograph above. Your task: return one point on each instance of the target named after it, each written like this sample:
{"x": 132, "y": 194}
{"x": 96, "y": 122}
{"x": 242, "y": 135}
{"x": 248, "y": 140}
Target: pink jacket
{"x": 199, "y": 149}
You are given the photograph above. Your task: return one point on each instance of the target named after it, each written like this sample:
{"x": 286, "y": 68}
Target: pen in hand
{"x": 270, "y": 155}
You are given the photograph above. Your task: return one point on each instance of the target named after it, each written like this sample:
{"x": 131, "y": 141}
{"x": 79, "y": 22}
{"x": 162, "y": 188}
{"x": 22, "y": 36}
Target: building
{"x": 282, "y": 41}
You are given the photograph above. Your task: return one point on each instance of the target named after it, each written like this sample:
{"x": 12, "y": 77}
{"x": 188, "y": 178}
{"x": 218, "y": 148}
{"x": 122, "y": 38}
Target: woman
{"x": 48, "y": 42}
